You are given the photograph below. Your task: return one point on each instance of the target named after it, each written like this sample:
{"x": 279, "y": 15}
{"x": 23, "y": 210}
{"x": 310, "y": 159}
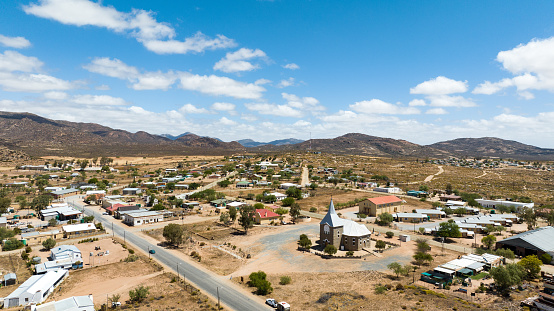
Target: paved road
{"x": 207, "y": 282}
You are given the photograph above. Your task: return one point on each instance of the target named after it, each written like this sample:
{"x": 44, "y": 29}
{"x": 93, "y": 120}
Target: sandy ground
{"x": 116, "y": 252}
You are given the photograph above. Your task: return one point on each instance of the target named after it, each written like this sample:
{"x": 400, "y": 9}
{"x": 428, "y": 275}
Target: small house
{"x": 264, "y": 216}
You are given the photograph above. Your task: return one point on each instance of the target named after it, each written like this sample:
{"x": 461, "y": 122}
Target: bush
{"x": 285, "y": 280}
{"x": 131, "y": 251}
{"x": 48, "y": 244}
{"x": 389, "y": 234}
{"x": 313, "y": 209}
{"x": 138, "y": 294}
{"x": 24, "y": 256}
{"x": 258, "y": 280}
{"x": 546, "y": 258}
{"x": 131, "y": 258}
{"x": 380, "y": 289}
{"x": 349, "y": 254}
{"x": 28, "y": 249}
{"x": 12, "y": 244}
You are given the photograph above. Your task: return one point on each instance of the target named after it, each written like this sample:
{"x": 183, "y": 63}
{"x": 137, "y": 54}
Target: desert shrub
{"x": 389, "y": 234}
{"x": 285, "y": 280}
{"x": 380, "y": 289}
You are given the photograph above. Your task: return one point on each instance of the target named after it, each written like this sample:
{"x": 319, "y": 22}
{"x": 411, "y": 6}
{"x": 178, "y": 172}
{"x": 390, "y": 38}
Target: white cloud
{"x": 156, "y": 36}
{"x": 224, "y": 107}
{"x": 103, "y": 87}
{"x": 220, "y": 86}
{"x": 301, "y": 123}
{"x": 198, "y": 43}
{"x": 436, "y": 111}
{"x": 248, "y": 117}
{"x": 190, "y": 108}
{"x": 14, "y": 61}
{"x": 533, "y": 67}
{"x": 14, "y": 42}
{"x": 33, "y": 83}
{"x": 377, "y": 106}
{"x": 98, "y": 100}
{"x": 114, "y": 68}
{"x": 291, "y": 66}
{"x": 262, "y": 81}
{"x": 440, "y": 86}
{"x": 275, "y": 110}
{"x": 55, "y": 95}
{"x": 228, "y": 122}
{"x": 303, "y": 103}
{"x": 417, "y": 102}
{"x": 286, "y": 83}
{"x": 239, "y": 60}
{"x": 155, "y": 81}
{"x": 450, "y": 101}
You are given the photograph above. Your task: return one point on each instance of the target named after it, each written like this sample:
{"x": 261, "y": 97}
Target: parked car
{"x": 152, "y": 251}
{"x": 105, "y": 213}
{"x": 283, "y": 306}
{"x": 271, "y": 302}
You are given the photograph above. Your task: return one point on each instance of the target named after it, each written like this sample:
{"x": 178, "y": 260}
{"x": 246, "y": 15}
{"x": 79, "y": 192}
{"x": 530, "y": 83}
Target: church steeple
{"x": 332, "y": 219}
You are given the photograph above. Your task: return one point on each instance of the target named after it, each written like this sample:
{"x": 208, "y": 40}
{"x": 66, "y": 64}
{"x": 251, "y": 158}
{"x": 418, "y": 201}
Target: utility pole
{"x": 218, "y": 305}
{"x": 177, "y": 273}
{"x": 113, "y": 232}
{"x": 124, "y": 241}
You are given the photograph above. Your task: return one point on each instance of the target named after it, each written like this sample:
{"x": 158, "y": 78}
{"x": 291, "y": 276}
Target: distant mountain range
{"x": 38, "y": 136}
{"x": 250, "y": 143}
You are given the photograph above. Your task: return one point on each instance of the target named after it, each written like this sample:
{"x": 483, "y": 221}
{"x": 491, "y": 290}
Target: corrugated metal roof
{"x": 541, "y": 238}
{"x": 384, "y": 200}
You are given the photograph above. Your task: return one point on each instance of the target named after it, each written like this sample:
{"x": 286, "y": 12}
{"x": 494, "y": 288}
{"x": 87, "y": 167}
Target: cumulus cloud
{"x": 220, "y": 86}
{"x": 262, "y": 81}
{"x": 377, "y": 106}
{"x": 114, "y": 68}
{"x": 303, "y": 103}
{"x": 55, "y": 95}
{"x": 286, "y": 82}
{"x": 14, "y": 42}
{"x": 275, "y": 110}
{"x": 14, "y": 61}
{"x": 239, "y": 60}
{"x": 227, "y": 107}
{"x": 417, "y": 102}
{"x": 291, "y": 66}
{"x": 33, "y": 83}
{"x": 532, "y": 65}
{"x": 436, "y": 111}
{"x": 226, "y": 121}
{"x": 450, "y": 101}
{"x": 155, "y": 81}
{"x": 440, "y": 86}
{"x": 98, "y": 100}
{"x": 157, "y": 37}
{"x": 190, "y": 108}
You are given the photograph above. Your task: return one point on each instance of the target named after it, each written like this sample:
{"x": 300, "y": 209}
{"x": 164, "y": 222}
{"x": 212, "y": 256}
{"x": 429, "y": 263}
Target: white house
{"x": 142, "y": 218}
{"x": 388, "y": 190}
{"x": 75, "y": 303}
{"x": 36, "y": 289}
{"x": 66, "y": 251}
{"x": 495, "y": 203}
{"x": 288, "y": 185}
{"x": 278, "y": 195}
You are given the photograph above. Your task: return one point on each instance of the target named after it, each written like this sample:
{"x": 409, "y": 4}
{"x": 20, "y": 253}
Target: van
{"x": 283, "y": 306}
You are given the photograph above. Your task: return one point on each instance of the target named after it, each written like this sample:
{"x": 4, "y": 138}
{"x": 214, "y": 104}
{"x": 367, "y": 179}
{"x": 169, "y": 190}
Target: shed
{"x": 10, "y": 279}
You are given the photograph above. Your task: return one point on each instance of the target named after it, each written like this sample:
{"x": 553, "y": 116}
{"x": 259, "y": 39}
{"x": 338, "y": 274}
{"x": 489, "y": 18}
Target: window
{"x": 326, "y": 229}
{"x": 353, "y": 241}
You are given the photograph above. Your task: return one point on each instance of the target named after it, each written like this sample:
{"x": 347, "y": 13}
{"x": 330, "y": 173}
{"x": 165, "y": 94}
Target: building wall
{"x": 369, "y": 208}
{"x": 334, "y": 236}
{"x": 355, "y": 243}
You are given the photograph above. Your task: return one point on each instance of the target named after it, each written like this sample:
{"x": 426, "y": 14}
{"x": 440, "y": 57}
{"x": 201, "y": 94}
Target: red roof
{"x": 265, "y": 213}
{"x": 384, "y": 200}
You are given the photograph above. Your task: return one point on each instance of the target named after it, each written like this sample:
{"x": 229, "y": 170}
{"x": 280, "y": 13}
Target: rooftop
{"x": 385, "y": 199}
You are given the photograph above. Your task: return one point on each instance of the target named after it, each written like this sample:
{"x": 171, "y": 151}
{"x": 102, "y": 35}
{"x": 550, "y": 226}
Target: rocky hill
{"x": 494, "y": 147}
{"x": 361, "y": 144}
{"x": 252, "y": 143}
{"x": 36, "y": 135}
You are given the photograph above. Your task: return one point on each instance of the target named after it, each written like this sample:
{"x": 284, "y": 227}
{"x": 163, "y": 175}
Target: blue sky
{"x": 424, "y": 71}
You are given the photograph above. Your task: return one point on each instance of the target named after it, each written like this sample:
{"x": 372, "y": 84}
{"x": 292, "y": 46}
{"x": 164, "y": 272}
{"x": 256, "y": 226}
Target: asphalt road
{"x": 207, "y": 282}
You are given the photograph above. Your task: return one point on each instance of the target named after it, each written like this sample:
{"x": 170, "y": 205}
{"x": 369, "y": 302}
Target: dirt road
{"x": 430, "y": 177}
{"x": 305, "y": 176}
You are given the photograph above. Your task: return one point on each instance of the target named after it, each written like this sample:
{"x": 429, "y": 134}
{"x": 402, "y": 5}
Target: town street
{"x": 209, "y": 283}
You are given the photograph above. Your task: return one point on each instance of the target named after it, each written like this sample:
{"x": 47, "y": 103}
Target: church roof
{"x": 351, "y": 228}
{"x": 332, "y": 219}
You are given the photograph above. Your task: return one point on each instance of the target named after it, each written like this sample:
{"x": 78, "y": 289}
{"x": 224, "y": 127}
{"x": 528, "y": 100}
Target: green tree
{"x": 139, "y": 294}
{"x": 488, "y": 241}
{"x": 531, "y": 265}
{"x": 259, "y": 280}
{"x": 505, "y": 252}
{"x": 380, "y": 245}
{"x": 288, "y": 201}
{"x": 294, "y": 192}
{"x": 384, "y": 219}
{"x": 6, "y": 233}
{"x": 294, "y": 211}
{"x": 224, "y": 217}
{"x": 304, "y": 241}
{"x": 41, "y": 202}
{"x": 424, "y": 188}
{"x": 422, "y": 245}
{"x": 421, "y": 257}
{"x": 449, "y": 229}
{"x": 460, "y": 211}
{"x": 448, "y": 188}
{"x": 505, "y": 277}
{"x": 11, "y": 244}
{"x": 330, "y": 250}
{"x": 397, "y": 268}
{"x": 313, "y": 186}
{"x": 529, "y": 217}
{"x": 232, "y": 213}
{"x": 246, "y": 220}
{"x": 52, "y": 222}
{"x": 281, "y": 211}
{"x": 48, "y": 244}
{"x": 4, "y": 204}
{"x": 546, "y": 258}
{"x": 173, "y": 233}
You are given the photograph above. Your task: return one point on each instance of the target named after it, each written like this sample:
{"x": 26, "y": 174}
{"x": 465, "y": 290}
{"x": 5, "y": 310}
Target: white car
{"x": 105, "y": 213}
{"x": 271, "y": 302}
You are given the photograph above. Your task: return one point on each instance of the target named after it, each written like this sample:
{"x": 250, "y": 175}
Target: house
{"x": 264, "y": 216}
{"x": 416, "y": 193}
{"x": 431, "y": 213}
{"x": 489, "y": 260}
{"x": 278, "y": 196}
{"x": 54, "y": 265}
{"x": 410, "y": 217}
{"x": 344, "y": 234}
{"x": 375, "y": 206}
{"x": 243, "y": 184}
{"x": 533, "y": 242}
{"x": 288, "y": 185}
{"x": 495, "y": 203}
{"x": 63, "y": 212}
{"x": 449, "y": 197}
{"x": 388, "y": 189}
{"x": 142, "y": 218}
{"x": 236, "y": 205}
{"x": 52, "y": 189}
{"x": 37, "y": 237}
{"x": 66, "y": 251}
{"x": 218, "y": 203}
{"x": 117, "y": 209}
{"x": 58, "y": 194}
{"x": 36, "y": 289}
{"x": 75, "y": 303}
{"x": 132, "y": 191}
{"x": 78, "y": 230}
{"x": 3, "y": 222}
